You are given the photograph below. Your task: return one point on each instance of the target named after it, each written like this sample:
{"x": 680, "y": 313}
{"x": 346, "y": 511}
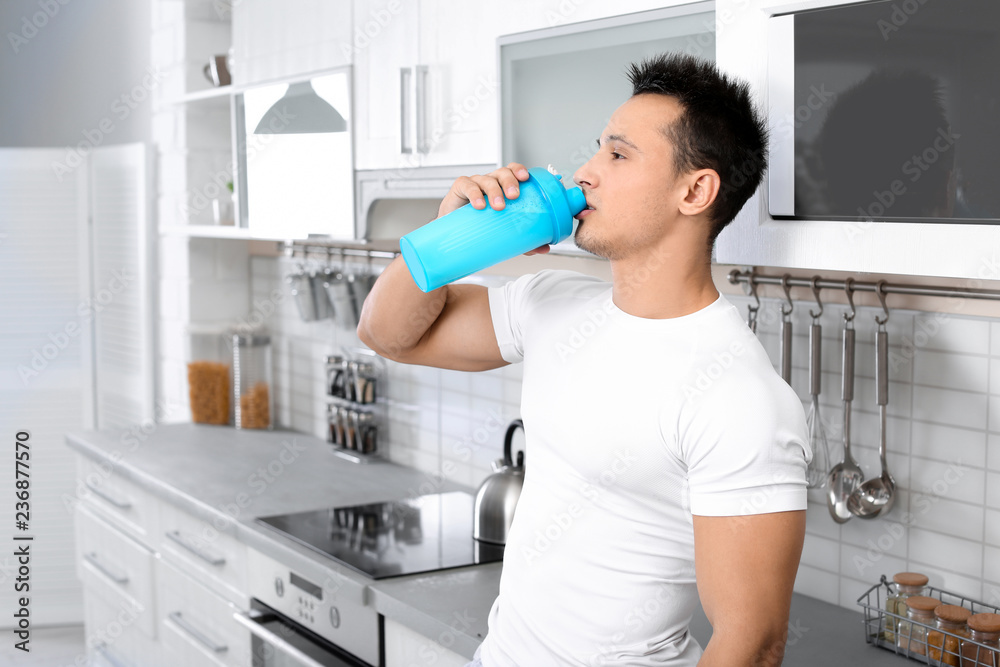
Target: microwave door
{"x": 277, "y": 641}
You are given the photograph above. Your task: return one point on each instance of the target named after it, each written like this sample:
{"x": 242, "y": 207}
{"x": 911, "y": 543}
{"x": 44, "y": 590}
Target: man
{"x": 667, "y": 458}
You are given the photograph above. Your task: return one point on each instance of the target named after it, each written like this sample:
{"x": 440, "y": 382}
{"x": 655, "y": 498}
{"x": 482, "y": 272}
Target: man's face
{"x": 630, "y": 183}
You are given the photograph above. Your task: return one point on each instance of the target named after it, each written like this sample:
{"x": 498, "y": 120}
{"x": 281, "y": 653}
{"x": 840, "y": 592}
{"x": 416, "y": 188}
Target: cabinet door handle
{"x": 421, "y": 109}
{"x": 117, "y": 502}
{"x": 110, "y": 573}
{"x": 405, "y": 109}
{"x": 195, "y": 633}
{"x": 105, "y": 653}
{"x": 250, "y": 622}
{"x": 211, "y": 559}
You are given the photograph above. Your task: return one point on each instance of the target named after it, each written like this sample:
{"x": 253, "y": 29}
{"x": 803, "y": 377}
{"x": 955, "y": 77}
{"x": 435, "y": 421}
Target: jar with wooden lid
{"x": 907, "y": 584}
{"x": 911, "y": 636}
{"x": 985, "y": 629}
{"x": 944, "y": 648}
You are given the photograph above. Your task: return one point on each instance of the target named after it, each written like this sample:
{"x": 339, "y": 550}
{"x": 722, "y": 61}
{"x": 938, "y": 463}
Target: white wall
{"x": 62, "y": 83}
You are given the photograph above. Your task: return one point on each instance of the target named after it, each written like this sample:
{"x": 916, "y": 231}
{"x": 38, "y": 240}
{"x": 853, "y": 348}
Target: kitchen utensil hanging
{"x": 752, "y": 309}
{"x": 876, "y": 496}
{"x": 785, "y": 350}
{"x": 301, "y": 287}
{"x": 338, "y": 291}
{"x": 846, "y": 476}
{"x": 819, "y": 466}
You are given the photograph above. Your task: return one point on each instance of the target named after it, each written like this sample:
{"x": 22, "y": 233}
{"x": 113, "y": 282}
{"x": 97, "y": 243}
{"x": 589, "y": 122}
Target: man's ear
{"x": 703, "y": 188}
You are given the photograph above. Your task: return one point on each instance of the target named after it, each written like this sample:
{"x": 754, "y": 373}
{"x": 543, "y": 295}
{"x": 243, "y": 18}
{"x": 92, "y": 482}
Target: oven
{"x": 279, "y": 641}
{"x": 308, "y": 619}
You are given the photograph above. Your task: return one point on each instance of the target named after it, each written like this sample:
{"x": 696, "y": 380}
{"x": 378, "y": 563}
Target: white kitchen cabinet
{"x": 404, "y": 647}
{"x": 384, "y": 41}
{"x": 196, "y": 626}
{"x": 118, "y": 590}
{"x": 213, "y": 558}
{"x": 279, "y": 40}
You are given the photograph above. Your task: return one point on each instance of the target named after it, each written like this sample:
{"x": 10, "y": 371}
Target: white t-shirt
{"x": 631, "y": 425}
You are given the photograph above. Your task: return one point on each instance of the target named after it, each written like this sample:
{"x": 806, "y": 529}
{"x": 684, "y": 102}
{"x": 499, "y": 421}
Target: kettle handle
{"x": 508, "y": 439}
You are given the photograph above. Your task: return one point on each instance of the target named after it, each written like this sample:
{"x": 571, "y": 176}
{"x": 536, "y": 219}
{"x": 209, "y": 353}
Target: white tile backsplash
{"x": 451, "y": 424}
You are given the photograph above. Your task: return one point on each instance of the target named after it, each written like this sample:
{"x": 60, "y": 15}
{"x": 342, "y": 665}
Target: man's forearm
{"x": 396, "y": 314}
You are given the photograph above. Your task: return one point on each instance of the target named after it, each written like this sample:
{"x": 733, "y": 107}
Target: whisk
{"x": 818, "y": 468}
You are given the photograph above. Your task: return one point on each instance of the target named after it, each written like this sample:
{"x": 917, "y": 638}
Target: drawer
{"x": 115, "y": 568}
{"x": 196, "y": 625}
{"x": 112, "y": 639}
{"x": 214, "y": 559}
{"x": 121, "y": 501}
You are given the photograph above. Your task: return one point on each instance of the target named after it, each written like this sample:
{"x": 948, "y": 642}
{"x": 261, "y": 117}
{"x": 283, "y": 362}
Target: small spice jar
{"x": 911, "y": 636}
{"x": 907, "y": 584}
{"x": 944, "y": 648}
{"x": 985, "y": 629}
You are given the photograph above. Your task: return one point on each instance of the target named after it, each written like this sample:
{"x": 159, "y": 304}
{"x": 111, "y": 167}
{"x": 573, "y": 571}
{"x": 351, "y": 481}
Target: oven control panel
{"x": 313, "y": 602}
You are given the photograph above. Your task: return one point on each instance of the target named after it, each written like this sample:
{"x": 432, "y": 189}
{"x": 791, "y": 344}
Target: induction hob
{"x": 394, "y": 538}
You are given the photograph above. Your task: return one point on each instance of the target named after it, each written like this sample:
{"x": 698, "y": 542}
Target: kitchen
{"x": 426, "y": 99}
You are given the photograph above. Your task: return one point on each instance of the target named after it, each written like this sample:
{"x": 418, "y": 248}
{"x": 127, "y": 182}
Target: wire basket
{"x": 920, "y": 641}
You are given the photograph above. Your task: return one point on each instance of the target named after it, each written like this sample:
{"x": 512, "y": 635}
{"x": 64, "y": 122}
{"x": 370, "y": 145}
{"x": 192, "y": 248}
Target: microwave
{"x": 883, "y": 134}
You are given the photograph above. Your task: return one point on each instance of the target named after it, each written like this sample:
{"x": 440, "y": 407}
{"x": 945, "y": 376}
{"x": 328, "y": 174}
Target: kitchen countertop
{"x": 229, "y": 477}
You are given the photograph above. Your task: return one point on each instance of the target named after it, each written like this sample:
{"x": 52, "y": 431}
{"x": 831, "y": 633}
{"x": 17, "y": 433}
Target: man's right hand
{"x": 492, "y": 188}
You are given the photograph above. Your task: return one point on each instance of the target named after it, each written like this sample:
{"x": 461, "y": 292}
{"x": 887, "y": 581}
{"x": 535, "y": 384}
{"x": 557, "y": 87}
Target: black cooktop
{"x": 394, "y": 538}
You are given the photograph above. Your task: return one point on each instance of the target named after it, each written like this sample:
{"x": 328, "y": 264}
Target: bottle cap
{"x": 922, "y": 603}
{"x": 910, "y": 579}
{"x": 985, "y": 622}
{"x": 952, "y": 613}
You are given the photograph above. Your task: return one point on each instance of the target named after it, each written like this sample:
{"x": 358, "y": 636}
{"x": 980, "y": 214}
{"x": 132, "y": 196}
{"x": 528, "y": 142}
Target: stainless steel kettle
{"x": 498, "y": 494}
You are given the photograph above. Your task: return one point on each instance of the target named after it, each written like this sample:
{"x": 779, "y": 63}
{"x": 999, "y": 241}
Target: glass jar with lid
{"x": 907, "y": 584}
{"x": 208, "y": 376}
{"x": 985, "y": 629}
{"x": 943, "y": 642}
{"x": 911, "y": 636}
{"x": 252, "y": 394}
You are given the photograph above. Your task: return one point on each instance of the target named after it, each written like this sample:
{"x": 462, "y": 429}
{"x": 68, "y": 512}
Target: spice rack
{"x": 355, "y": 387}
{"x": 879, "y": 624}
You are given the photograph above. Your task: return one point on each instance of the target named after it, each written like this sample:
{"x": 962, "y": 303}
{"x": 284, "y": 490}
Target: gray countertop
{"x": 229, "y": 477}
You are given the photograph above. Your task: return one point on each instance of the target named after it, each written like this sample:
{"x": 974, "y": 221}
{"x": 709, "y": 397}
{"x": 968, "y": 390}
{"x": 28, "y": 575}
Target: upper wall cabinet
{"x": 282, "y": 40}
{"x": 427, "y": 90}
{"x": 883, "y": 135}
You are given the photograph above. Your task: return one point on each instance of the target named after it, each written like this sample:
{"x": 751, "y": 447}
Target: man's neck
{"x": 662, "y": 284}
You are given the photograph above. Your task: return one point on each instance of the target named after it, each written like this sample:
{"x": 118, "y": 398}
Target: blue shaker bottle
{"x": 468, "y": 240}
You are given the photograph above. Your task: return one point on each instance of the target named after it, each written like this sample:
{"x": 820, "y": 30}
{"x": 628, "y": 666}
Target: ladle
{"x": 847, "y": 475}
{"x": 877, "y": 495}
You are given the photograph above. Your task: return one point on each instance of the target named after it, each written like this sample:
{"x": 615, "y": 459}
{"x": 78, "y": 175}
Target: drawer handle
{"x": 250, "y": 622}
{"x": 209, "y": 558}
{"x": 103, "y": 651}
{"x": 117, "y": 502}
{"x": 110, "y": 573}
{"x": 197, "y": 634}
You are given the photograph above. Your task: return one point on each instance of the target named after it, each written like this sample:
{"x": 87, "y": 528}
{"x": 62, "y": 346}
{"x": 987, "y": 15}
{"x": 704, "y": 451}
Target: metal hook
{"x": 819, "y": 302}
{"x": 788, "y": 295}
{"x": 849, "y": 289}
{"x": 880, "y": 291}
{"x": 752, "y": 287}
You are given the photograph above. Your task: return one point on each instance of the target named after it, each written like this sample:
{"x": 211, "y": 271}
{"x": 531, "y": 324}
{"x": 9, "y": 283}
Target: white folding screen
{"x": 43, "y": 367}
{"x": 121, "y": 285}
{"x": 63, "y": 236}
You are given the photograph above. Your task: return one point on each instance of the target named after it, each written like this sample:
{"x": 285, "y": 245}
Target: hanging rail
{"x": 752, "y": 279}
{"x": 331, "y": 248}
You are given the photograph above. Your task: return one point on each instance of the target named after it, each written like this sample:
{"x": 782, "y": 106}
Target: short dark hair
{"x": 719, "y": 128}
